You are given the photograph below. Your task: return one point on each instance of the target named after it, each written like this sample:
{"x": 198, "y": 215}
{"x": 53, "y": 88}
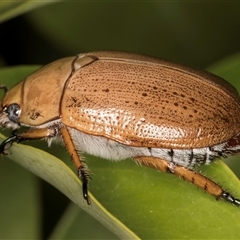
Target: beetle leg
{"x": 35, "y": 133}
{"x": 7, "y": 143}
{"x": 80, "y": 166}
{"x": 189, "y": 175}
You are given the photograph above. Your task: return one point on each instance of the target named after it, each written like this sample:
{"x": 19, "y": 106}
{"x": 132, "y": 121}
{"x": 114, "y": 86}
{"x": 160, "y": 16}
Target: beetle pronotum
{"x": 120, "y": 105}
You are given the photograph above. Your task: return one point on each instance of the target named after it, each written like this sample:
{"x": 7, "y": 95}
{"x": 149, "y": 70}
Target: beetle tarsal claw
{"x": 7, "y": 143}
{"x": 228, "y": 197}
{"x": 85, "y": 180}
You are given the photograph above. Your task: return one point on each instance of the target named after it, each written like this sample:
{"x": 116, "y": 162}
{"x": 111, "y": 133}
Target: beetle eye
{"x": 13, "y": 111}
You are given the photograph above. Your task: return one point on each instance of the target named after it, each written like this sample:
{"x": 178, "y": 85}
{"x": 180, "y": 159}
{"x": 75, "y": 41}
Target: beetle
{"x": 118, "y": 105}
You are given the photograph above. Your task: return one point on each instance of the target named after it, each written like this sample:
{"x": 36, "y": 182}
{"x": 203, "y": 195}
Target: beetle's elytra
{"x": 120, "y": 105}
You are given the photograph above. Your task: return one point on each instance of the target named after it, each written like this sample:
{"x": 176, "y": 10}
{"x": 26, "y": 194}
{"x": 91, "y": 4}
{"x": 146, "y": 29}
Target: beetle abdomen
{"x": 112, "y": 150}
{"x": 150, "y": 105}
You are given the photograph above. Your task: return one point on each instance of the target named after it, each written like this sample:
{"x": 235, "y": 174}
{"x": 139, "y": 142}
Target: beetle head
{"x": 36, "y": 100}
{"x": 11, "y": 107}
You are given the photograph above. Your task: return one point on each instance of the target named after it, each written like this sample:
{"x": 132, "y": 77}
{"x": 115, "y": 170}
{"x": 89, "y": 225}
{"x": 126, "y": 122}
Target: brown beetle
{"x": 120, "y": 105}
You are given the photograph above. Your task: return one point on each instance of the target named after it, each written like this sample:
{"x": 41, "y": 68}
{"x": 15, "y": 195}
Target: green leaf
{"x": 10, "y": 9}
{"x": 149, "y": 203}
{"x": 56, "y": 172}
{"x": 19, "y": 206}
{"x": 19, "y": 203}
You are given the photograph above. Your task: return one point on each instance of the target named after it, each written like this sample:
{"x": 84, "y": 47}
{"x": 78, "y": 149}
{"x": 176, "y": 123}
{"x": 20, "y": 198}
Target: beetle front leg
{"x": 80, "y": 166}
{"x": 189, "y": 175}
{"x": 35, "y": 133}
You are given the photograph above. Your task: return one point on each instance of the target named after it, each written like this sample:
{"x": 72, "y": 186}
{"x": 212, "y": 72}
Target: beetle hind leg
{"x": 189, "y": 175}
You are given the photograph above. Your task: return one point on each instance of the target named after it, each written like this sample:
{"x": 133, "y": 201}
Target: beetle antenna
{"x": 3, "y": 87}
